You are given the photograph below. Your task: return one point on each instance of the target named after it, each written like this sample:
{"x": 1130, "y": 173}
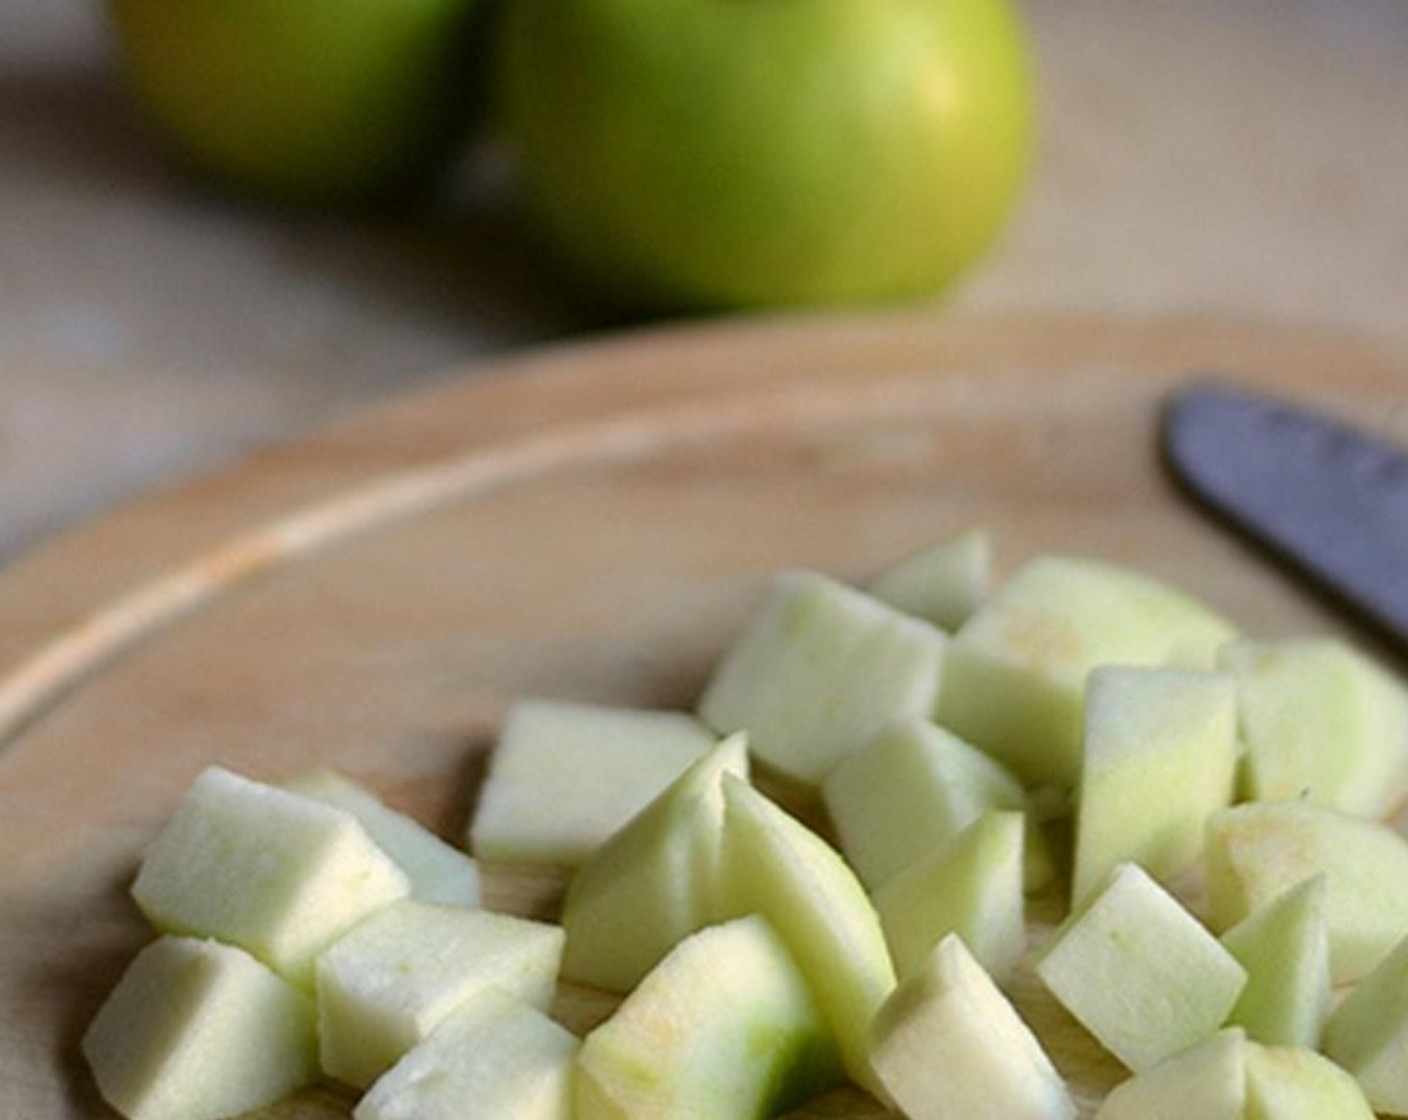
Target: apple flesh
{"x": 944, "y": 583}
{"x": 1321, "y": 722}
{"x": 196, "y": 1030}
{"x": 1139, "y": 971}
{"x": 1285, "y": 948}
{"x": 724, "y": 1027}
{"x": 1160, "y": 755}
{"x": 655, "y": 881}
{"x": 386, "y": 985}
{"x": 437, "y": 871}
{"x": 1207, "y": 1081}
{"x": 819, "y": 673}
{"x": 971, "y": 886}
{"x": 1367, "y": 1033}
{"x": 279, "y": 875}
{"x": 947, "y": 1045}
{"x": 1014, "y": 674}
{"x": 1293, "y": 1083}
{"x": 565, "y": 777}
{"x": 495, "y": 1056}
{"x": 1258, "y": 850}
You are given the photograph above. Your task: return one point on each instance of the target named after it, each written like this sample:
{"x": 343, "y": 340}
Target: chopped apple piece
{"x": 777, "y": 867}
{"x": 949, "y": 1046}
{"x": 1294, "y": 1083}
{"x": 1259, "y": 850}
{"x": 655, "y": 881}
{"x": 1014, "y": 675}
{"x": 565, "y": 777}
{"x": 908, "y": 792}
{"x": 943, "y": 583}
{"x": 437, "y": 871}
{"x": 821, "y": 671}
{"x": 1139, "y": 971}
{"x": 386, "y": 985}
{"x": 1322, "y": 722}
{"x": 1367, "y": 1033}
{"x": 280, "y": 875}
{"x": 1160, "y": 755}
{"x": 196, "y": 1030}
{"x": 724, "y": 1027}
{"x": 971, "y": 886}
{"x": 494, "y": 1057}
{"x": 1285, "y": 948}
{"x": 1207, "y": 1081}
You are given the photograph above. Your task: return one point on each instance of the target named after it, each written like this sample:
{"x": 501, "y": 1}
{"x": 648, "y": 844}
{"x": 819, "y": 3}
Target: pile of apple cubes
{"x": 309, "y": 930}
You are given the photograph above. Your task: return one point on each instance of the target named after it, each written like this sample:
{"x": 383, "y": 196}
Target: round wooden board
{"x": 590, "y": 522}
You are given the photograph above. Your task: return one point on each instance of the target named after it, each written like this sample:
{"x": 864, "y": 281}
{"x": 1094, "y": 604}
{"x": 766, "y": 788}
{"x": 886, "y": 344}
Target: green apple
{"x": 1367, "y": 1033}
{"x": 1160, "y": 755}
{"x": 944, "y": 583}
{"x": 655, "y": 881}
{"x": 437, "y": 871}
{"x": 280, "y": 875}
{"x": 1285, "y": 948}
{"x": 1014, "y": 675}
{"x": 1207, "y": 1081}
{"x": 1294, "y": 1083}
{"x": 1139, "y": 971}
{"x": 775, "y": 866}
{"x": 725, "y": 1027}
{"x": 317, "y": 100}
{"x": 395, "y": 977}
{"x": 564, "y": 777}
{"x": 971, "y": 886}
{"x": 196, "y": 1030}
{"x": 1258, "y": 850}
{"x": 820, "y": 671}
{"x": 494, "y": 1057}
{"x": 1320, "y": 722}
{"x": 707, "y": 154}
{"x": 949, "y": 1046}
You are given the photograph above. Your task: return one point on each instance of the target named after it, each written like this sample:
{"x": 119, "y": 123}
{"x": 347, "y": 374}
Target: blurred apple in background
{"x": 307, "y": 100}
{"x": 725, "y": 153}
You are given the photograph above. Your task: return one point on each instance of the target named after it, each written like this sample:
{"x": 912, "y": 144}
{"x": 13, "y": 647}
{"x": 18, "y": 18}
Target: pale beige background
{"x": 1246, "y": 157}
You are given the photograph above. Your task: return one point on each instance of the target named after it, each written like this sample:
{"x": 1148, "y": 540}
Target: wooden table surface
{"x": 1245, "y": 158}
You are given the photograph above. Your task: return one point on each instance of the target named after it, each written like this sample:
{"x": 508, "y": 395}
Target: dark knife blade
{"x": 1331, "y": 499}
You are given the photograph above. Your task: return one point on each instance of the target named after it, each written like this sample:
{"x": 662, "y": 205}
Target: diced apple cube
{"x": 820, "y": 672}
{"x": 1294, "y": 1083}
{"x": 277, "y": 874}
{"x": 944, "y": 583}
{"x": 437, "y": 871}
{"x": 655, "y": 881}
{"x": 1014, "y": 675}
{"x": 1207, "y": 1081}
{"x": 564, "y": 777}
{"x": 971, "y": 886}
{"x": 1261, "y": 849}
{"x": 1139, "y": 972}
{"x": 494, "y": 1057}
{"x": 775, "y": 866}
{"x": 386, "y": 985}
{"x": 907, "y": 793}
{"x": 1160, "y": 755}
{"x": 1322, "y": 722}
{"x": 1285, "y": 948}
{"x": 724, "y": 1027}
{"x": 1367, "y": 1033}
{"x": 196, "y": 1030}
{"x": 947, "y": 1045}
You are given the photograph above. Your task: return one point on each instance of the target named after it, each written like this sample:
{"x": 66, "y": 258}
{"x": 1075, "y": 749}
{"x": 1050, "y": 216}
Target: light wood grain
{"x": 588, "y": 523}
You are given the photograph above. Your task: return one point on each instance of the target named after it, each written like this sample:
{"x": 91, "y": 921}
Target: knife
{"x": 1325, "y": 496}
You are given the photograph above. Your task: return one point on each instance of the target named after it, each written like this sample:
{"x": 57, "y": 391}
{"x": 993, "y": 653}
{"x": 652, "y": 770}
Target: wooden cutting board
{"x": 591, "y": 522}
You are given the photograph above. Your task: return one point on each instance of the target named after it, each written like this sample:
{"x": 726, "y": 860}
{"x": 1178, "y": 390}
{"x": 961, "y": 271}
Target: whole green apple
{"x": 313, "y": 100}
{"x": 715, "y": 153}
